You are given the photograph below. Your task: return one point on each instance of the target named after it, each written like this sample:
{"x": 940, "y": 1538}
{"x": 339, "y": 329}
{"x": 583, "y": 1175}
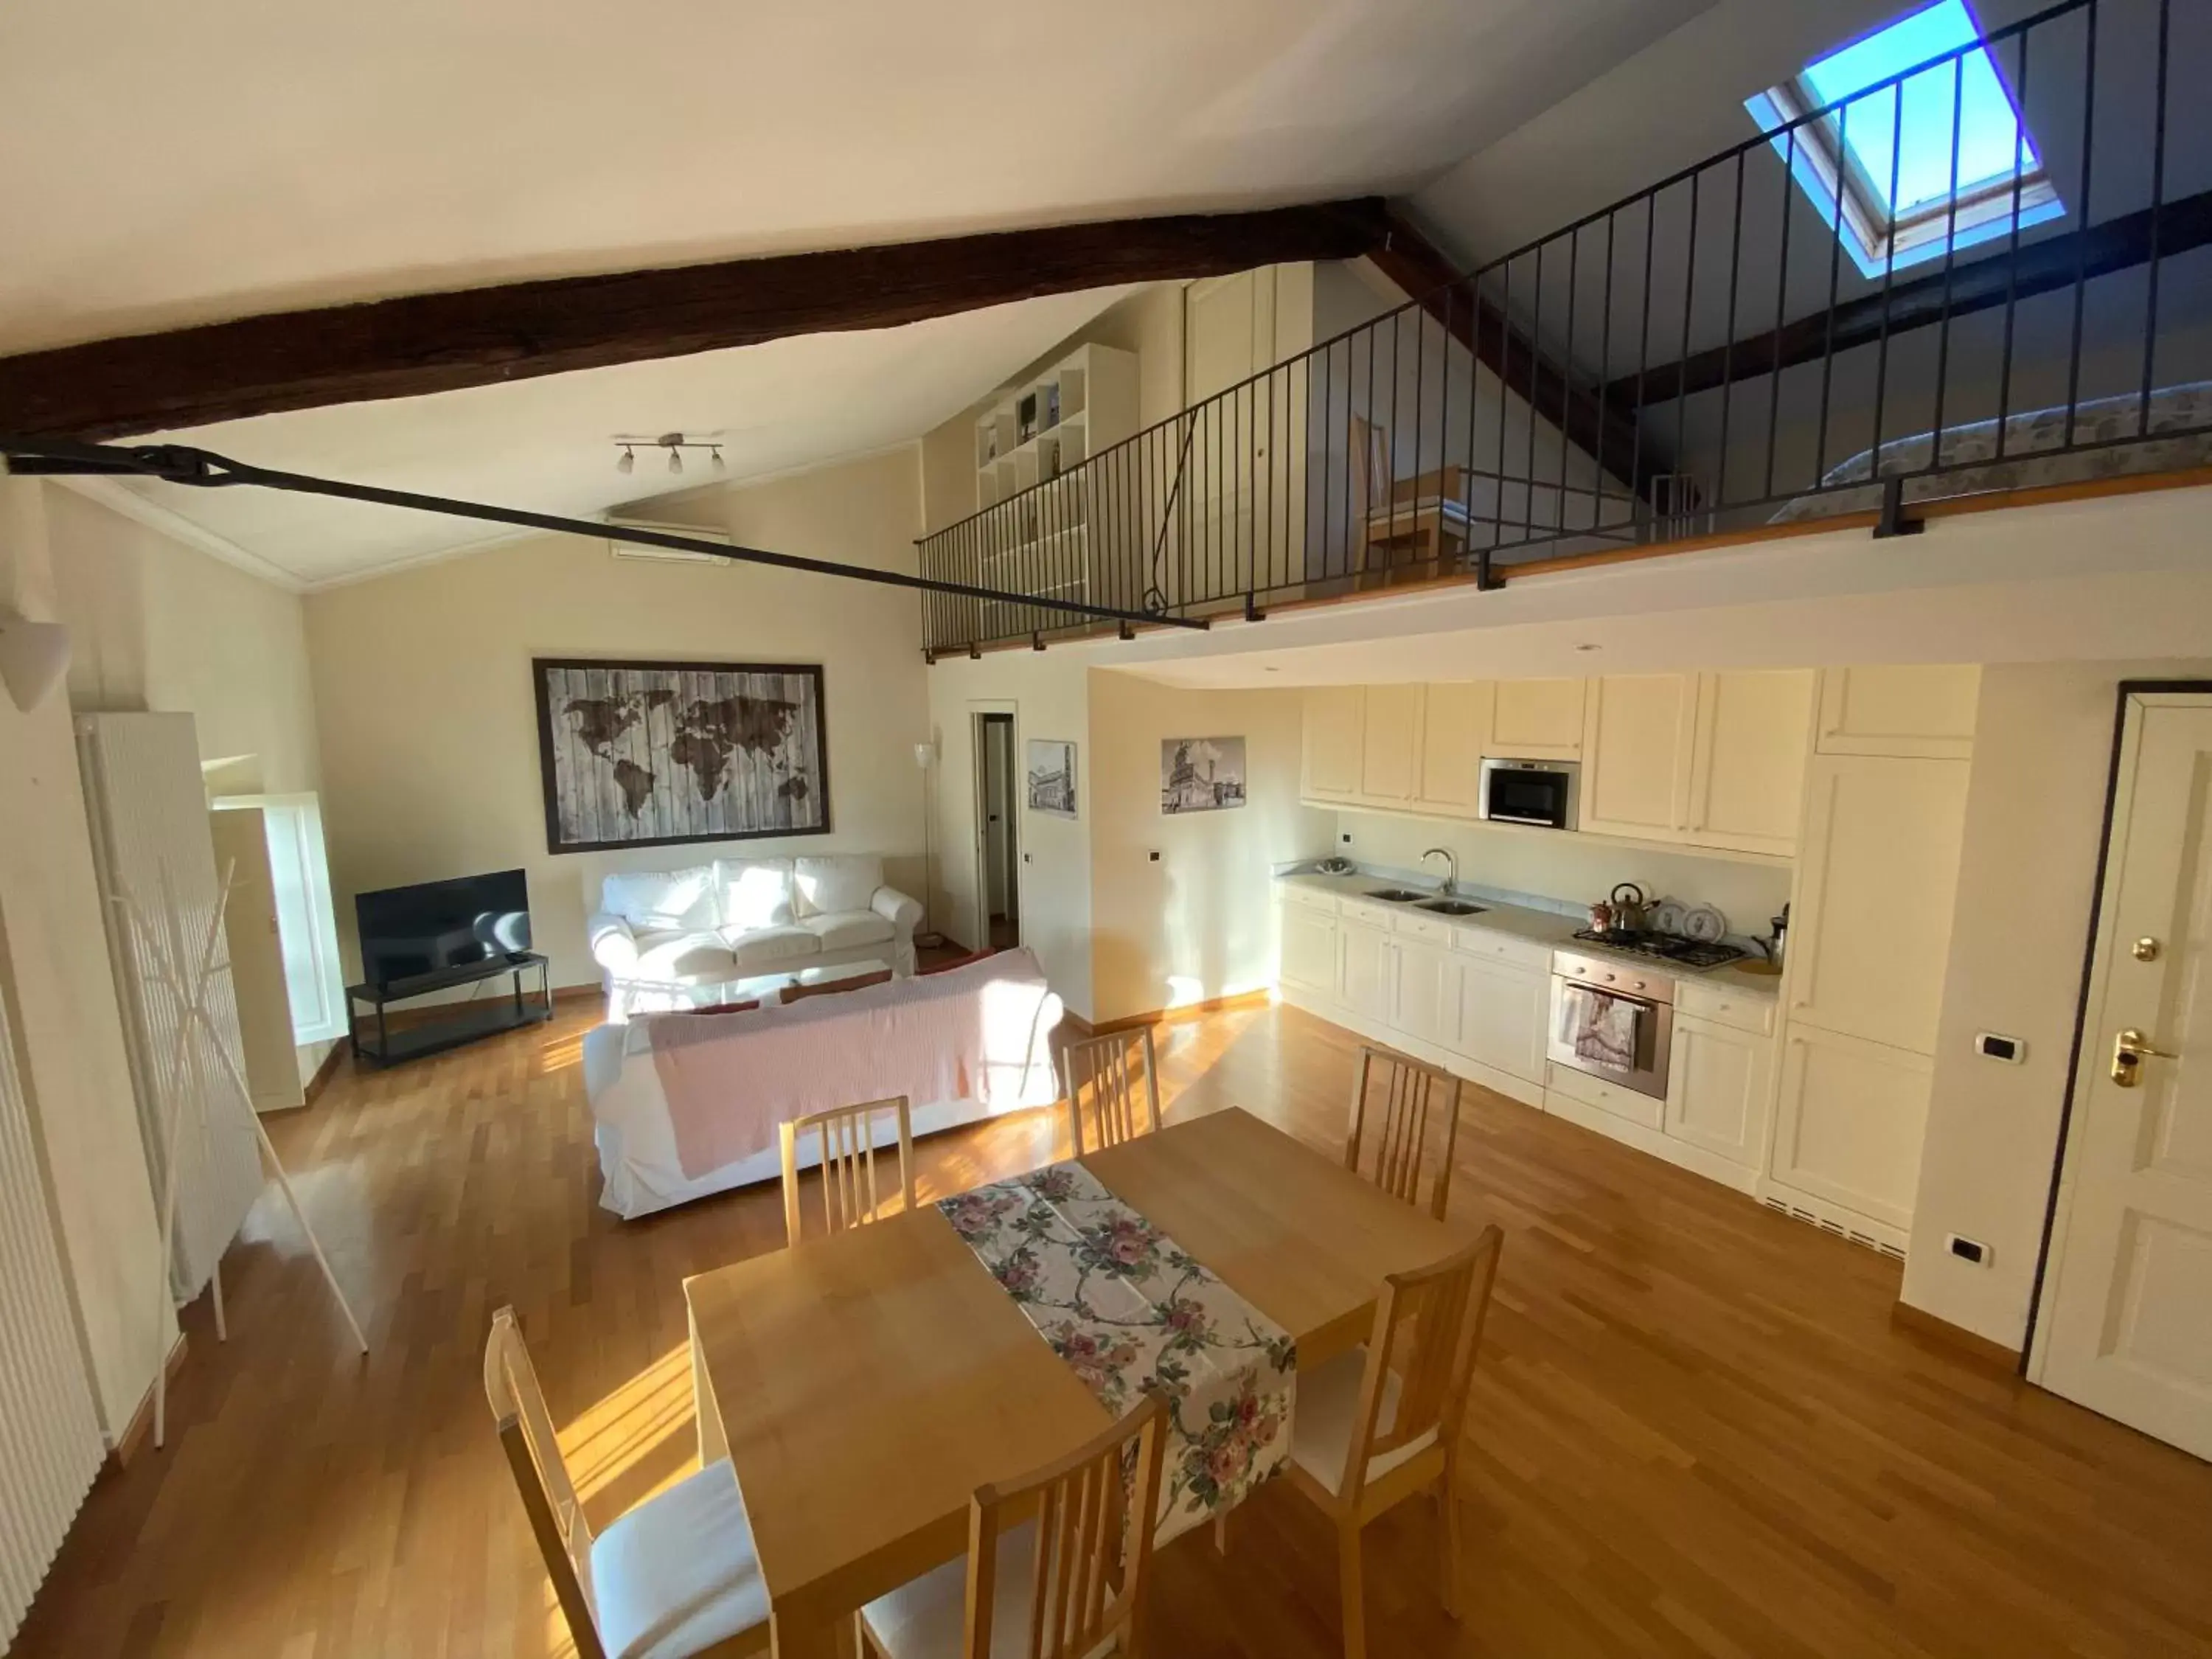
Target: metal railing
{"x": 1756, "y": 339}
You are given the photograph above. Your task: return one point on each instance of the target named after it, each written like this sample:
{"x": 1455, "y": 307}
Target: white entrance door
{"x": 2125, "y": 1323}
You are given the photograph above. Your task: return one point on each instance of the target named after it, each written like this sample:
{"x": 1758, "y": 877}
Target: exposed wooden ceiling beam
{"x": 427, "y": 343}
{"x": 2001, "y": 277}
{"x": 1606, "y": 434}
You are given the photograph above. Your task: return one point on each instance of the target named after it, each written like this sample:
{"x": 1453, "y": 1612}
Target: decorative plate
{"x": 1667, "y": 916}
{"x": 1704, "y": 924}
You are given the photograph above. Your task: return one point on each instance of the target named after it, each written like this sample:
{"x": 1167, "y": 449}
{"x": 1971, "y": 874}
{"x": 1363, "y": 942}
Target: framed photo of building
{"x": 1201, "y": 774}
{"x": 1051, "y": 767}
{"x": 647, "y": 754}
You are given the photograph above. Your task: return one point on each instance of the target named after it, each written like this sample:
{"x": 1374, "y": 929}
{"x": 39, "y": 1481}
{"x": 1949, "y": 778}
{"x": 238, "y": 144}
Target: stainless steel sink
{"x": 1395, "y": 895}
{"x": 1451, "y": 907}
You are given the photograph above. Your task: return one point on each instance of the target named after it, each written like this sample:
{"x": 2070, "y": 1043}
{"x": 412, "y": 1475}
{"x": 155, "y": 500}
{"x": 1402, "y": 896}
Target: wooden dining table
{"x": 864, "y": 1384}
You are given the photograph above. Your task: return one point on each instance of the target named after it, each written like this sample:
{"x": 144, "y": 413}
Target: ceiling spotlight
{"x": 675, "y": 458}
{"x": 719, "y": 464}
{"x": 628, "y": 464}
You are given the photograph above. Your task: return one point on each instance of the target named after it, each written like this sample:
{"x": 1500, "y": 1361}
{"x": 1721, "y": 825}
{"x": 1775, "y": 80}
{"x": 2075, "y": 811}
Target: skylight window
{"x": 1884, "y": 162}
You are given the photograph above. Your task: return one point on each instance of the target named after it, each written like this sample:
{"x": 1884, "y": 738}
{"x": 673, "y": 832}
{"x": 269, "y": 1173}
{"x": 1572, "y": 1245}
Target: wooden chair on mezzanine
{"x": 674, "y": 1578}
{"x": 1398, "y": 1124}
{"x": 1123, "y": 1103}
{"x": 1381, "y": 1423}
{"x": 1051, "y": 1571}
{"x": 850, "y": 1195}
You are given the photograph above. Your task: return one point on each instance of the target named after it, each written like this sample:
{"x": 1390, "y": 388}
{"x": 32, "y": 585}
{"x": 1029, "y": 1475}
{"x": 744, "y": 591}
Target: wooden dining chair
{"x": 674, "y": 1577}
{"x": 1396, "y": 1117}
{"x": 850, "y": 1195}
{"x": 1107, "y": 1065}
{"x": 1052, "y": 1572}
{"x": 1381, "y": 1424}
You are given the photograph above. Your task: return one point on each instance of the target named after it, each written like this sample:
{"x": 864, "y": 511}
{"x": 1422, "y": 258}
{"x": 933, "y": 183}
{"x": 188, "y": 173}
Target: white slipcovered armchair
{"x": 683, "y": 938}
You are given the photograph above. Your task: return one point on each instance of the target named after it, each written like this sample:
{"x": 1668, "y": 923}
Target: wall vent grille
{"x": 1834, "y": 1223}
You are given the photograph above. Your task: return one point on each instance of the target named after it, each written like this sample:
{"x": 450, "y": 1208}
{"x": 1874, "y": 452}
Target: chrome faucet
{"x": 1451, "y": 867}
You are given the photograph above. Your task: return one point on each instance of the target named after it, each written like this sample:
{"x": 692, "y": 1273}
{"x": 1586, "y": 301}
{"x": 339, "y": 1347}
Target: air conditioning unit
{"x": 629, "y": 550}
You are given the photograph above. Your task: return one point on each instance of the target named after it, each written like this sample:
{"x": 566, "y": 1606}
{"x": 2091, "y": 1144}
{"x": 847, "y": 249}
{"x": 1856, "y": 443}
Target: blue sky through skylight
{"x": 1902, "y": 187}
{"x": 1990, "y": 135}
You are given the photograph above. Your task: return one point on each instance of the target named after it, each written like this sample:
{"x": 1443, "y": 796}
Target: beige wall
{"x": 1200, "y": 922}
{"x": 1578, "y": 867}
{"x": 1047, "y": 694}
{"x": 2035, "y": 810}
{"x": 428, "y": 720}
{"x": 54, "y": 974}
{"x": 154, "y": 624}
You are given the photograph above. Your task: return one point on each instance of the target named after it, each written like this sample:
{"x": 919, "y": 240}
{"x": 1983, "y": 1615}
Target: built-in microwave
{"x": 1539, "y": 791}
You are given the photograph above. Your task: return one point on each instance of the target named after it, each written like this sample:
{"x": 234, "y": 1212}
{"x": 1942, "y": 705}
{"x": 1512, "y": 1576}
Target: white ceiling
{"x": 162, "y": 164}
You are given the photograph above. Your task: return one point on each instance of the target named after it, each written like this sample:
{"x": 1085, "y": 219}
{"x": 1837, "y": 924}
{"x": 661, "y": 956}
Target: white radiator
{"x": 49, "y": 1445}
{"x": 147, "y": 804}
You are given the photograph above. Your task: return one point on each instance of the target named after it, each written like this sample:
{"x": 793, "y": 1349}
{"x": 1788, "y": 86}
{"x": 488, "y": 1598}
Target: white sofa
{"x": 683, "y": 938}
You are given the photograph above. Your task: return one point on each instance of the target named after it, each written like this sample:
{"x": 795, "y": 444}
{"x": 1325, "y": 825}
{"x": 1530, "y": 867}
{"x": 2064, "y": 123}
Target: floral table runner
{"x": 1129, "y": 1310}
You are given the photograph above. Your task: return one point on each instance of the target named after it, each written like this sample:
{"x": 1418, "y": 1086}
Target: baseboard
{"x": 1923, "y": 1323}
{"x": 140, "y": 1428}
{"x": 325, "y": 1072}
{"x": 1259, "y": 999}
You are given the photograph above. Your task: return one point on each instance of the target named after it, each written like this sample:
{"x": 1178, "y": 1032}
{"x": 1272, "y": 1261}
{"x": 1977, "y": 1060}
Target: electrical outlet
{"x": 1990, "y": 1046}
{"x": 1972, "y": 1251}
{"x": 1346, "y": 838}
{"x": 1153, "y": 856}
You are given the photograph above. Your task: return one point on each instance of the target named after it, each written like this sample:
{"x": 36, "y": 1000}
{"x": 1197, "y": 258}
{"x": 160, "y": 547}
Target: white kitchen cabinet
{"x": 1536, "y": 719}
{"x": 1502, "y": 1009}
{"x": 1717, "y": 1078}
{"x": 1455, "y": 724}
{"x": 1306, "y": 957}
{"x": 1390, "y": 750}
{"x": 1875, "y": 887}
{"x": 1637, "y": 732}
{"x": 1335, "y": 729}
{"x": 1363, "y": 959}
{"x": 1424, "y": 991}
{"x": 1747, "y": 761}
{"x": 1913, "y": 712}
{"x": 1848, "y": 1122}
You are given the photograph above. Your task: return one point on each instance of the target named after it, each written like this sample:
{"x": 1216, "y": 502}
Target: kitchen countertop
{"x": 1545, "y": 927}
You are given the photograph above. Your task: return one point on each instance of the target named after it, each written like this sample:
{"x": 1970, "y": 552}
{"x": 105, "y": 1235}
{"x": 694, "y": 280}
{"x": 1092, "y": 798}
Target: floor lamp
{"x": 925, "y": 757}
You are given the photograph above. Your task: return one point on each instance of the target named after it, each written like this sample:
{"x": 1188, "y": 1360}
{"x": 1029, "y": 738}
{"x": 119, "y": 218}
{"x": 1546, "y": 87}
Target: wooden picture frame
{"x": 628, "y": 748}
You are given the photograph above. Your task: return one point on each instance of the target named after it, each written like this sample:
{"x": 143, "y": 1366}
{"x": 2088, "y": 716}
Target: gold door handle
{"x": 2129, "y": 1049}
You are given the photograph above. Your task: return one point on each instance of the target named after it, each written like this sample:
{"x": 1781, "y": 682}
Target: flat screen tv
{"x": 408, "y": 932}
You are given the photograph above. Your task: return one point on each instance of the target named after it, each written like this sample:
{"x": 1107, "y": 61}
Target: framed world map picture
{"x": 644, "y": 754}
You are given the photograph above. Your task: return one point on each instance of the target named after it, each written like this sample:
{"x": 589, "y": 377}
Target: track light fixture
{"x": 675, "y": 443}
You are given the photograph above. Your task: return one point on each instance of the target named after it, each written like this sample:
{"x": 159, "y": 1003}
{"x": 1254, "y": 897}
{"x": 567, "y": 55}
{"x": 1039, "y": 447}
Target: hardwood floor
{"x": 1694, "y": 1428}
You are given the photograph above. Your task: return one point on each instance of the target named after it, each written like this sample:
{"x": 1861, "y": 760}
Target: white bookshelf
{"x": 1041, "y": 431}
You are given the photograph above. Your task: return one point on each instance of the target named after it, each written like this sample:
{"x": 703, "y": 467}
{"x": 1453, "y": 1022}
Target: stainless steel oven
{"x": 1542, "y": 793}
{"x": 1612, "y": 1020}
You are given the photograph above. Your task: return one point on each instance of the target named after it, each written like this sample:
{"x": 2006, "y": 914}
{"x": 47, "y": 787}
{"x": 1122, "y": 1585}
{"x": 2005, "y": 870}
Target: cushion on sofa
{"x": 678, "y": 958}
{"x": 846, "y": 882}
{"x": 849, "y": 929}
{"x": 754, "y": 892}
{"x": 656, "y": 901}
{"x": 762, "y": 946}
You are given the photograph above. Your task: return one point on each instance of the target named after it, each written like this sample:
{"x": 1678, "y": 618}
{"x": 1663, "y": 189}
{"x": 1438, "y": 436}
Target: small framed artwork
{"x": 1201, "y": 774}
{"x": 1052, "y": 777}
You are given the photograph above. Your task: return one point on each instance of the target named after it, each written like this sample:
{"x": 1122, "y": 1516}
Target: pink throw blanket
{"x": 975, "y": 1033}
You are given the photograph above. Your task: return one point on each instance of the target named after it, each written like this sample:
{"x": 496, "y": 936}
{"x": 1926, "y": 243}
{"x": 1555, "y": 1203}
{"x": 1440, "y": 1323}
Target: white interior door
{"x": 2124, "y": 1325}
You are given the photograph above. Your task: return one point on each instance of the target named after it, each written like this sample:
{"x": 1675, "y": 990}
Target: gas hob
{"x": 1665, "y": 947}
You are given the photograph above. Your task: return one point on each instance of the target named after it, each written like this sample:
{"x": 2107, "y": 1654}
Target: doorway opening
{"x": 997, "y": 833}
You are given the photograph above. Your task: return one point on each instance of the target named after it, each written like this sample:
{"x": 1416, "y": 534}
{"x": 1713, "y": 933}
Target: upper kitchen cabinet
{"x": 1536, "y": 719}
{"x": 1748, "y": 763}
{"x": 1914, "y": 712}
{"x": 1637, "y": 732}
{"x": 1391, "y": 751}
{"x": 1455, "y": 724}
{"x": 1335, "y": 732}
{"x": 1875, "y": 889}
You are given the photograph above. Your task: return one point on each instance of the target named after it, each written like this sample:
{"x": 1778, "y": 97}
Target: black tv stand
{"x": 447, "y": 1025}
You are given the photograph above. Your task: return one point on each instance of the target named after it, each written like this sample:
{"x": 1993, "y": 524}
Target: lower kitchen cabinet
{"x": 1308, "y": 951}
{"x": 1502, "y": 1010}
{"x": 1363, "y": 969}
{"x": 1717, "y": 1090}
{"x": 1425, "y": 992}
{"x": 1848, "y": 1122}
